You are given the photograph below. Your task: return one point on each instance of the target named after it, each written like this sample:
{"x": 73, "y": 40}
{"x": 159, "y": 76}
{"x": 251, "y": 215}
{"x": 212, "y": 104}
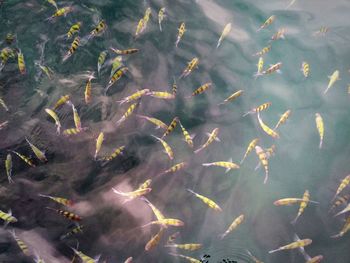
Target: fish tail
{"x": 247, "y": 113}
{"x": 273, "y": 251}
{"x": 219, "y": 43}
{"x": 42, "y": 195}
{"x": 116, "y": 191}
{"x": 294, "y": 221}
{"x": 160, "y": 27}
{"x": 320, "y": 145}
{"x": 266, "y": 178}
{"x": 191, "y": 191}
{"x": 257, "y": 74}
{"x": 221, "y": 236}
{"x": 314, "y": 202}
{"x": 206, "y": 164}
{"x": 336, "y": 236}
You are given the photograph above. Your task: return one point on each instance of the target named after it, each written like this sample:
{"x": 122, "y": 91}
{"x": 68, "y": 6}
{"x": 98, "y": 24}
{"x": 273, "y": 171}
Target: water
{"x": 112, "y": 229}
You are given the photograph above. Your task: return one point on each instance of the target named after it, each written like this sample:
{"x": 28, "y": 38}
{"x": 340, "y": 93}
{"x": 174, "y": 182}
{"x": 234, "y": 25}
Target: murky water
{"x": 111, "y": 228}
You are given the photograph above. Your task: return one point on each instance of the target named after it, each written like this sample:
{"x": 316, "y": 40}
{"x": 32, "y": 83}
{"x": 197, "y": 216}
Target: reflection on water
{"x": 112, "y": 228}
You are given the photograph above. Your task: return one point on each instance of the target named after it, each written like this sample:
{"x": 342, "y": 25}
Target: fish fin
{"x": 217, "y": 139}
{"x": 279, "y": 71}
{"x": 198, "y": 150}
{"x": 227, "y": 170}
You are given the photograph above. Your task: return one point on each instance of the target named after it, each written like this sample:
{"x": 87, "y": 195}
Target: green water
{"x": 110, "y": 228}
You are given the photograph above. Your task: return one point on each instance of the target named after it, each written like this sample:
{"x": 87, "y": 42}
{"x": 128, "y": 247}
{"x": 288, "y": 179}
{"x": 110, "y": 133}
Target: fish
{"x": 166, "y": 222}
{"x": 135, "y": 96}
{"x": 125, "y": 51}
{"x": 225, "y": 32}
{"x": 76, "y": 117}
{"x": 293, "y": 245}
{"x": 10, "y": 38}
{"x": 154, "y": 241}
{"x": 332, "y": 79}
{"x": 63, "y": 100}
{"x": 3, "y": 104}
{"x": 279, "y": 34}
{"x": 345, "y": 229}
{"x": 73, "y": 131}
{"x": 129, "y": 260}
{"x": 21, "y": 62}
{"x": 115, "y": 153}
{"x": 24, "y": 158}
{"x": 99, "y": 142}
{"x": 24, "y": 248}
{"x": 47, "y": 70}
{"x": 201, "y": 89}
{"x": 174, "y": 87}
{"x": 267, "y": 129}
{"x": 145, "y": 184}
{"x": 155, "y": 121}
{"x": 321, "y": 32}
{"x": 258, "y": 109}
{"x": 175, "y": 168}
{"x": 166, "y": 146}
{"x": 53, "y": 3}
{"x": 187, "y": 137}
{"x": 273, "y": 68}
{"x": 140, "y": 27}
{"x": 189, "y": 247}
{"x": 75, "y": 44}
{"x": 38, "y": 153}
{"x": 305, "y": 68}
{"x": 344, "y": 183}
{"x": 189, "y": 259}
{"x": 320, "y": 127}
{"x": 3, "y": 124}
{"x": 303, "y": 205}
{"x": 5, "y": 54}
{"x": 98, "y": 30}
{"x": 8, "y": 217}
{"x": 193, "y": 64}
{"x": 147, "y": 15}
{"x": 159, "y": 215}
{"x": 283, "y": 119}
{"x": 268, "y": 22}
{"x": 132, "y": 195}
{"x": 128, "y": 112}
{"x": 291, "y": 201}
{"x": 59, "y": 200}
{"x": 73, "y": 29}
{"x": 210, "y": 203}
{"x": 341, "y": 200}
{"x": 101, "y": 60}
{"x": 74, "y": 231}
{"x": 161, "y": 16}
{"x": 260, "y": 66}
{"x": 172, "y": 238}
{"x": 181, "y": 32}
{"x": 60, "y": 12}
{"x": 250, "y": 148}
{"x": 236, "y": 222}
{"x": 8, "y": 167}
{"x": 56, "y": 119}
{"x": 264, "y": 161}
{"x": 228, "y": 165}
{"x": 161, "y": 95}
{"x": 84, "y": 258}
{"x": 345, "y": 210}
{"x": 269, "y": 152}
{"x": 213, "y": 136}
{"x": 116, "y": 76}
{"x": 37, "y": 258}
{"x": 263, "y": 51}
{"x": 116, "y": 64}
{"x": 171, "y": 127}
{"x": 232, "y": 97}
{"x": 66, "y": 214}
{"x": 87, "y": 93}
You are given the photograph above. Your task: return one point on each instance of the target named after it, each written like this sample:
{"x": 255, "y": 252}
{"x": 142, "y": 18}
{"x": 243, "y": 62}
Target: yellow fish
{"x": 262, "y": 52}
{"x": 224, "y": 33}
{"x": 232, "y": 97}
{"x": 332, "y": 79}
{"x": 128, "y": 112}
{"x": 250, "y": 148}
{"x": 188, "y": 137}
{"x": 166, "y": 146}
{"x": 190, "y": 67}
{"x": 213, "y": 136}
{"x": 182, "y": 30}
{"x": 210, "y": 203}
{"x": 8, "y": 167}
{"x": 305, "y": 68}
{"x": 267, "y": 129}
{"x": 135, "y": 96}
{"x": 98, "y": 30}
{"x": 99, "y": 142}
{"x": 87, "y": 93}
{"x": 74, "y": 29}
{"x": 171, "y": 127}
{"x": 320, "y": 127}
{"x": 159, "y": 215}
{"x": 75, "y": 44}
{"x": 161, "y": 17}
{"x": 260, "y": 66}
{"x": 38, "y": 153}
{"x": 154, "y": 241}
{"x": 60, "y": 12}
{"x": 293, "y": 245}
{"x": 24, "y": 158}
{"x": 236, "y": 222}
{"x": 84, "y": 258}
{"x": 76, "y": 118}
{"x": 283, "y": 119}
{"x": 228, "y": 165}
{"x": 59, "y": 200}
{"x": 20, "y": 243}
{"x": 190, "y": 247}
{"x": 175, "y": 168}
{"x": 21, "y": 63}
{"x": 56, "y": 119}
{"x": 132, "y": 195}
{"x": 303, "y": 205}
{"x": 8, "y": 217}
{"x": 115, "y": 153}
{"x": 155, "y": 121}
{"x": 201, "y": 89}
{"x": 344, "y": 183}
{"x": 268, "y": 22}
{"x": 345, "y": 228}
{"x": 101, "y": 60}
{"x": 161, "y": 95}
{"x": 115, "y": 77}
{"x": 64, "y": 99}
{"x": 260, "y": 108}
{"x": 263, "y": 160}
